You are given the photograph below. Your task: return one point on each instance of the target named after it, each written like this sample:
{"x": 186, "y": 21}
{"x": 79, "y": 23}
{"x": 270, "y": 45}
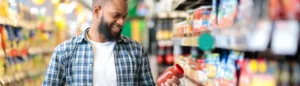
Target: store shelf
{"x": 19, "y": 23}
{"x": 164, "y": 42}
{"x": 237, "y": 46}
{"x": 179, "y": 61}
{"x": 172, "y": 14}
{"x": 193, "y": 81}
{"x": 182, "y": 62}
{"x": 186, "y": 41}
{"x": 20, "y": 76}
{"x": 189, "y": 4}
{"x": 34, "y": 50}
{"x": 39, "y": 50}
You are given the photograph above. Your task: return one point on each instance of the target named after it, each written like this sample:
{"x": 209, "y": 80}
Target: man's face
{"x": 111, "y": 19}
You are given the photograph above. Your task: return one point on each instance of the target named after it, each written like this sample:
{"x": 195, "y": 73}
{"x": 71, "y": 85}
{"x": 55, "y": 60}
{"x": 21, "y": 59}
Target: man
{"x": 100, "y": 56}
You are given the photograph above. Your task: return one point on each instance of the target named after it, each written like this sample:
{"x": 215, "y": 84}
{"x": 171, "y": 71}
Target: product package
{"x": 201, "y": 19}
{"x": 244, "y": 15}
{"x": 227, "y": 13}
{"x": 259, "y": 37}
{"x": 285, "y": 37}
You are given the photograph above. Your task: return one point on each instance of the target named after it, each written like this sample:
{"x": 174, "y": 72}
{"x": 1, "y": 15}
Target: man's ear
{"x": 96, "y": 10}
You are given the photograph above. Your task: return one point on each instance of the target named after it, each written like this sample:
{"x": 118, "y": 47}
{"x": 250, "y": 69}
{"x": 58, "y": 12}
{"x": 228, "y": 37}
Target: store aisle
{"x": 215, "y": 42}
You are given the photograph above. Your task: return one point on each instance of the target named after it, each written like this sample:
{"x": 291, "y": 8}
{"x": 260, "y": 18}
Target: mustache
{"x": 118, "y": 26}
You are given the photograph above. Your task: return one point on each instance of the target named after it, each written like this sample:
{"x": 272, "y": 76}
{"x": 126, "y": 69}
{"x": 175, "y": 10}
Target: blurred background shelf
{"x": 19, "y": 76}
{"x": 189, "y": 4}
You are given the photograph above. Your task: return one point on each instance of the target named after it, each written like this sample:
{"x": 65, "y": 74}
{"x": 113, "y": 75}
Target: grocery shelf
{"x": 179, "y": 61}
{"x": 39, "y": 50}
{"x": 20, "y": 76}
{"x": 34, "y": 50}
{"x": 189, "y": 4}
{"x": 193, "y": 42}
{"x": 240, "y": 42}
{"x": 171, "y": 14}
{"x": 164, "y": 42}
{"x": 30, "y": 31}
{"x": 182, "y": 62}
{"x": 186, "y": 41}
{"x": 18, "y": 23}
{"x": 193, "y": 81}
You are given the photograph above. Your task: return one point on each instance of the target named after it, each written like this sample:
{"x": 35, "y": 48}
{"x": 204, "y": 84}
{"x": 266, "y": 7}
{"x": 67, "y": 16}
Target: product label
{"x": 285, "y": 37}
{"x": 260, "y": 37}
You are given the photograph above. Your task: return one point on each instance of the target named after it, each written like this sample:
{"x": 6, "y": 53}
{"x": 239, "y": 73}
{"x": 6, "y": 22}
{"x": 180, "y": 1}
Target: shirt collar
{"x": 83, "y": 38}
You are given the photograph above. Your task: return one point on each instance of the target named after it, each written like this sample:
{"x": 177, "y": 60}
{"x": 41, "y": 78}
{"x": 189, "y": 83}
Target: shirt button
{"x": 91, "y": 65}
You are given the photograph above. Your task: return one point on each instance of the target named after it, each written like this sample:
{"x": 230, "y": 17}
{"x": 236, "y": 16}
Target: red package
{"x": 291, "y": 9}
{"x": 201, "y": 19}
{"x": 275, "y": 11}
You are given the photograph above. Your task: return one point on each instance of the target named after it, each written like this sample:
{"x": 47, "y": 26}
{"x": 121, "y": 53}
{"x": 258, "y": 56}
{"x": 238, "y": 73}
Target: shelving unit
{"x": 21, "y": 23}
{"x": 18, "y": 76}
{"x": 238, "y": 43}
{"x": 29, "y": 32}
{"x": 189, "y": 4}
{"x": 35, "y": 50}
{"x": 192, "y": 81}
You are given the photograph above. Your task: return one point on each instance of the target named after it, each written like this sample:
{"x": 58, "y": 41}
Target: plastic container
{"x": 175, "y": 70}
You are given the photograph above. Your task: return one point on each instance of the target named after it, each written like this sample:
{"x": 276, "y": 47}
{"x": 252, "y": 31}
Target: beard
{"x": 105, "y": 29}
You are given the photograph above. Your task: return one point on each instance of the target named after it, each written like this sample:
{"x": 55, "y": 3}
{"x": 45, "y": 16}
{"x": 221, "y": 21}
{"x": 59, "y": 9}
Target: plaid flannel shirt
{"x": 72, "y": 64}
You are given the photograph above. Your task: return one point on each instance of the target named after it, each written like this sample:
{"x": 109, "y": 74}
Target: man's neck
{"x": 94, "y": 35}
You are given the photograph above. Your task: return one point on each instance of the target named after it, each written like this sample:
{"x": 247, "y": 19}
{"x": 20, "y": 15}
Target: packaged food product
{"x": 275, "y": 10}
{"x": 189, "y": 26}
{"x": 263, "y": 80}
{"x": 202, "y": 76}
{"x": 244, "y": 15}
{"x": 244, "y": 79}
{"x": 227, "y": 13}
{"x": 179, "y": 29}
{"x": 260, "y": 36}
{"x": 284, "y": 75}
{"x": 295, "y": 74}
{"x": 291, "y": 9}
{"x": 214, "y": 15}
{"x": 2, "y": 70}
{"x": 201, "y": 19}
{"x": 285, "y": 37}
{"x": 226, "y": 72}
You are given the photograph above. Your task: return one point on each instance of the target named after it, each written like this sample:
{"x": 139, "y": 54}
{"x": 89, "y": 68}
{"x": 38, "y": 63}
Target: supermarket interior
{"x": 216, "y": 42}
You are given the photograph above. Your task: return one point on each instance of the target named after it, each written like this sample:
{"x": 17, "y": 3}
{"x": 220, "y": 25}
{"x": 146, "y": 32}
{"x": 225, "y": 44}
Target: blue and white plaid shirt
{"x": 72, "y": 64}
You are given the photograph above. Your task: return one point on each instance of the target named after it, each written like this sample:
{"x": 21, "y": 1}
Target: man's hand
{"x": 171, "y": 82}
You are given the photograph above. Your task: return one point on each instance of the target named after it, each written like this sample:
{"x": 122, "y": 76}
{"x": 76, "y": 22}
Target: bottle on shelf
{"x": 169, "y": 55}
{"x": 160, "y": 55}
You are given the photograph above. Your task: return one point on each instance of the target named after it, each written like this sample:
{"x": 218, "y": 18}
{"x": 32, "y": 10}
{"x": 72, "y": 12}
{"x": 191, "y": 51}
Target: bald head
{"x": 99, "y": 2}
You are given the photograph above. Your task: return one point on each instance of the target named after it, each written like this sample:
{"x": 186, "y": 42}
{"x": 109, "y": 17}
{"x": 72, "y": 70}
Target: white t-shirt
{"x": 104, "y": 72}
